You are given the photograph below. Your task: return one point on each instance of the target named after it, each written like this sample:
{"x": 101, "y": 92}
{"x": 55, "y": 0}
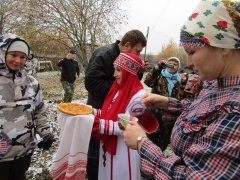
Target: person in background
{"x": 205, "y": 137}
{"x": 116, "y": 161}
{"x": 193, "y": 85}
{"x": 166, "y": 81}
{"x": 99, "y": 79}
{"x": 23, "y": 113}
{"x": 70, "y": 72}
{"x": 31, "y": 65}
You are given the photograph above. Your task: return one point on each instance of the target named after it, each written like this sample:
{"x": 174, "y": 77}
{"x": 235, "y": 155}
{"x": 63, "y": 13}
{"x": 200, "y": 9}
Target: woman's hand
{"x": 131, "y": 134}
{"x": 155, "y": 100}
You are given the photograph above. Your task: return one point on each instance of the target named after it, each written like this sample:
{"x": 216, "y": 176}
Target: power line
{"x": 146, "y": 44}
{"x": 160, "y": 14}
{"x": 166, "y": 35}
{"x": 159, "y": 18}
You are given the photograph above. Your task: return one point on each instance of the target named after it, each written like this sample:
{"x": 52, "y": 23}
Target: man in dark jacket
{"x": 99, "y": 79}
{"x": 70, "y": 71}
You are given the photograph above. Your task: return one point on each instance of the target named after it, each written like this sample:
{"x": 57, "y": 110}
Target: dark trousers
{"x": 93, "y": 159}
{"x": 16, "y": 169}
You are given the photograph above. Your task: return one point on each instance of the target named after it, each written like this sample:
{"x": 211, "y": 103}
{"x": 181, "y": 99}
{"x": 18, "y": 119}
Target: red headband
{"x": 130, "y": 62}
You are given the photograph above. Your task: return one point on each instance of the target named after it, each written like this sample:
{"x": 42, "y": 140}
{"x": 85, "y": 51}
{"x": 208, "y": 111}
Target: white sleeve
{"x": 109, "y": 127}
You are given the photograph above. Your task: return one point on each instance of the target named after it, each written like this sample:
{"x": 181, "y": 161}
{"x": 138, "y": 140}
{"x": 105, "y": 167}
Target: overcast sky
{"x": 163, "y": 17}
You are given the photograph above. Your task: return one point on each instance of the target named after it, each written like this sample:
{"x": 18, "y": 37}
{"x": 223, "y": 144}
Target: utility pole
{"x": 146, "y": 45}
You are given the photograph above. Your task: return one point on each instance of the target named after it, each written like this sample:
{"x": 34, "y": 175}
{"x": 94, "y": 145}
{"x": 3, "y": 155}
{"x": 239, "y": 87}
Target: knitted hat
{"x": 130, "y": 62}
{"x": 73, "y": 51}
{"x": 6, "y": 40}
{"x": 216, "y": 23}
{"x": 175, "y": 59}
{"x": 18, "y": 45}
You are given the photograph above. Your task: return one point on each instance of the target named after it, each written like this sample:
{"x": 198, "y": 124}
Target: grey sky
{"x": 164, "y": 18}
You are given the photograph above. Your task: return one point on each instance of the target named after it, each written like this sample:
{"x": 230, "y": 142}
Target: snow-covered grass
{"x": 53, "y": 93}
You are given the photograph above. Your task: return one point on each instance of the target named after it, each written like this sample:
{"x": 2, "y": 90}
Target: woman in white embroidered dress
{"x": 116, "y": 160}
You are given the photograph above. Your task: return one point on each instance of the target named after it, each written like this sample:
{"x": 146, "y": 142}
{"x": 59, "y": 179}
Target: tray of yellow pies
{"x": 74, "y": 109}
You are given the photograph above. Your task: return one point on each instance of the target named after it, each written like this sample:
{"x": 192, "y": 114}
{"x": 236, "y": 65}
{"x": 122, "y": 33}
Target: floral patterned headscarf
{"x": 215, "y": 23}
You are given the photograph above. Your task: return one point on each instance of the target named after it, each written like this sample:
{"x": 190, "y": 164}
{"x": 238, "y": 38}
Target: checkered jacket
{"x": 205, "y": 138}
